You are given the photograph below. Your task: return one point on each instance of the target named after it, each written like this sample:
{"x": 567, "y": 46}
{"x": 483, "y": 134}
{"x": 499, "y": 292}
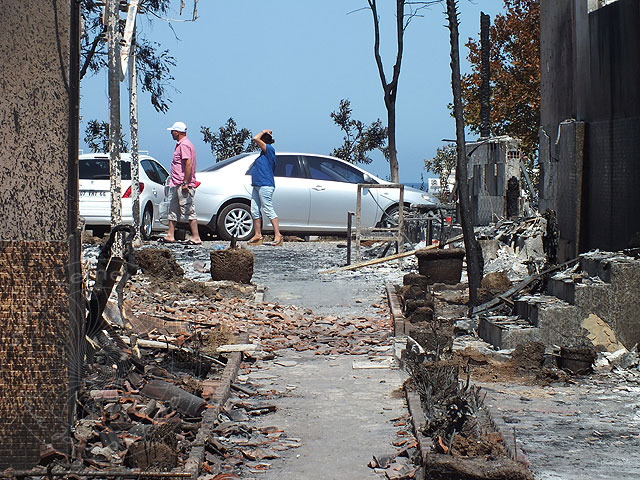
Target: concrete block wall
{"x": 616, "y": 300}
{"x": 608, "y": 289}
{"x": 559, "y": 324}
{"x": 590, "y": 62}
{"x": 34, "y": 314}
{"x": 41, "y": 305}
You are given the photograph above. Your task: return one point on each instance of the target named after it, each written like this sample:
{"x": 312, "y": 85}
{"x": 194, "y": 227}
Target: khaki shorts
{"x": 181, "y": 206}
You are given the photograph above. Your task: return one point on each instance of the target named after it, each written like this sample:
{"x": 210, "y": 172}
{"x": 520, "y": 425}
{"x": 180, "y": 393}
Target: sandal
{"x": 255, "y": 241}
{"x": 278, "y": 243}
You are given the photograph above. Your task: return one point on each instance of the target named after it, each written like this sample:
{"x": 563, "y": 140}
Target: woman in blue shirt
{"x": 263, "y": 187}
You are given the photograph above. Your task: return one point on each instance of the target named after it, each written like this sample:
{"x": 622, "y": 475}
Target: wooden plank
{"x": 239, "y": 347}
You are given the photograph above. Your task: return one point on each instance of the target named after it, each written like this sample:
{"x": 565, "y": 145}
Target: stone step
{"x": 545, "y": 310}
{"x": 564, "y": 287}
{"x": 506, "y": 331}
{"x": 542, "y": 318}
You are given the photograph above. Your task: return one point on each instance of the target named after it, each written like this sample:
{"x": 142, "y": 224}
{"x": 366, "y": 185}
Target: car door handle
{"x": 318, "y": 188}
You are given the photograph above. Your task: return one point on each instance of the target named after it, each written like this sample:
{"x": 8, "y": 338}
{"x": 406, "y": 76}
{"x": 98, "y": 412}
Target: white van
{"x": 95, "y": 196}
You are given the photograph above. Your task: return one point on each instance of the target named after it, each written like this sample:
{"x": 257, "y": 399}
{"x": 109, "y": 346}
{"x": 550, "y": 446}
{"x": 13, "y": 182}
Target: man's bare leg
{"x": 171, "y": 232}
{"x": 195, "y": 234}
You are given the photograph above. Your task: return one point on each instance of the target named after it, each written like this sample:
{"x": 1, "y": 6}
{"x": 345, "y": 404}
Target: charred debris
{"x": 538, "y": 321}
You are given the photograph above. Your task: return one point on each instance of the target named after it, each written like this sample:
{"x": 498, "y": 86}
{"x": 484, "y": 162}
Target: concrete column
{"x": 40, "y": 296}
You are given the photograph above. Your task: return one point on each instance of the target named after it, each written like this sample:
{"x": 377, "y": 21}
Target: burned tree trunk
{"x": 474, "y": 253}
{"x": 485, "y": 89}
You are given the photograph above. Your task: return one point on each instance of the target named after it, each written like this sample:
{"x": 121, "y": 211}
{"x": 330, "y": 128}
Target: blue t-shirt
{"x": 263, "y": 167}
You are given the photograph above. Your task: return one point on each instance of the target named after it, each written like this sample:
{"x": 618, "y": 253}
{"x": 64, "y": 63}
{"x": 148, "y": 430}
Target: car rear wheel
{"x": 235, "y": 221}
{"x": 146, "y": 226}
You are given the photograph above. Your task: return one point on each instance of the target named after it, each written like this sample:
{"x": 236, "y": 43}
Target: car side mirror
{"x": 367, "y": 178}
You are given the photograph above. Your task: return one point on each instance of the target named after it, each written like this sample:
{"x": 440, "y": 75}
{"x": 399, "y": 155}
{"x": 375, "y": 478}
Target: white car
{"x": 313, "y": 195}
{"x": 95, "y": 196}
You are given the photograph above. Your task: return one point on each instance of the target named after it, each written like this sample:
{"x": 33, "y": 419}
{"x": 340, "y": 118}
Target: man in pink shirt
{"x": 182, "y": 185}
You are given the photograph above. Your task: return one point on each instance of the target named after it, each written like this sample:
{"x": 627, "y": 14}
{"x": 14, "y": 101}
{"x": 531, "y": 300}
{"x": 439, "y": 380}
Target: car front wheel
{"x": 235, "y": 221}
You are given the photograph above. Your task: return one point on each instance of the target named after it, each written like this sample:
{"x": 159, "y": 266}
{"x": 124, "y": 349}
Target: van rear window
{"x": 98, "y": 169}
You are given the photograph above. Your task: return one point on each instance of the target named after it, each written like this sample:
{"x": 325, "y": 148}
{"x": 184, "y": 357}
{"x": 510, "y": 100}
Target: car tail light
{"x": 127, "y": 194}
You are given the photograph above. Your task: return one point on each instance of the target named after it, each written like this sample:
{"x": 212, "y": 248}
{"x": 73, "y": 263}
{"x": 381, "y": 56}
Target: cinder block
{"x": 563, "y": 288}
{"x": 506, "y": 332}
{"x": 595, "y": 264}
{"x": 597, "y": 298}
{"x": 559, "y": 324}
{"x": 528, "y": 307}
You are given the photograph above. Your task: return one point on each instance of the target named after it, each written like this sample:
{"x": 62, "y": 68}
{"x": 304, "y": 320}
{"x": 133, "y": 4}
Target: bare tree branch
{"x": 390, "y": 88}
{"x": 90, "y": 54}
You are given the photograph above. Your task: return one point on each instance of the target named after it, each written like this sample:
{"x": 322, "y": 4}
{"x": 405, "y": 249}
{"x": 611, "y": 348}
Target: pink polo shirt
{"x": 184, "y": 150}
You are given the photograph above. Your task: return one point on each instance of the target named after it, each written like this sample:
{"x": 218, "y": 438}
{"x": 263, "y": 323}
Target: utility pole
{"x": 128, "y": 57}
{"x": 113, "y": 38}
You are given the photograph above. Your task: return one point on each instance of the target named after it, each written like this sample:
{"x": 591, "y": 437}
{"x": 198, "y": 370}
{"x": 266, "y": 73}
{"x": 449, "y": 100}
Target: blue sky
{"x": 286, "y": 64}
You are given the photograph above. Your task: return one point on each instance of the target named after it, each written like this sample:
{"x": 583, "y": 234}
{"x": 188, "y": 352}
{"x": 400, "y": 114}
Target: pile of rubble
{"x": 154, "y": 369}
{"x": 515, "y": 248}
{"x": 550, "y": 324}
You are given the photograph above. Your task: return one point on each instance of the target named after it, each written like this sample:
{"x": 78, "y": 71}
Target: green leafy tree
{"x": 154, "y": 64}
{"x": 443, "y": 165}
{"x": 96, "y": 136}
{"x": 229, "y": 141}
{"x": 515, "y": 75}
{"x": 359, "y": 139}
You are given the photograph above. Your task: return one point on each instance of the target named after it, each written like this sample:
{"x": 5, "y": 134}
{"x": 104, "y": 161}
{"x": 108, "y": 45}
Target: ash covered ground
{"x": 561, "y": 423}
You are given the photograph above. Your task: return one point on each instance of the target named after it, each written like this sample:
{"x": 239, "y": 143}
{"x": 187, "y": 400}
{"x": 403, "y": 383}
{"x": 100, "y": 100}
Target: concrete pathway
{"x": 342, "y": 416}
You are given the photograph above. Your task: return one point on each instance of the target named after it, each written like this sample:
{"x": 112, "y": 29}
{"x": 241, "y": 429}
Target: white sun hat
{"x": 178, "y": 127}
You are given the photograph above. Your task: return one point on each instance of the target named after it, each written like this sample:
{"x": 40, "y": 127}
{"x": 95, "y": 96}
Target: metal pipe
{"x": 349, "y": 225}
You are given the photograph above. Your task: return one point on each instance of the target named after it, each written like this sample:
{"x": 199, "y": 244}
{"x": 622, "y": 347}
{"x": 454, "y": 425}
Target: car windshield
{"x": 226, "y": 162}
{"x": 98, "y": 169}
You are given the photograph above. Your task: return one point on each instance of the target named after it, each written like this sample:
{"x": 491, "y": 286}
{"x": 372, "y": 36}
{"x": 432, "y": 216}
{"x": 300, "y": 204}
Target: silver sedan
{"x": 313, "y": 195}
